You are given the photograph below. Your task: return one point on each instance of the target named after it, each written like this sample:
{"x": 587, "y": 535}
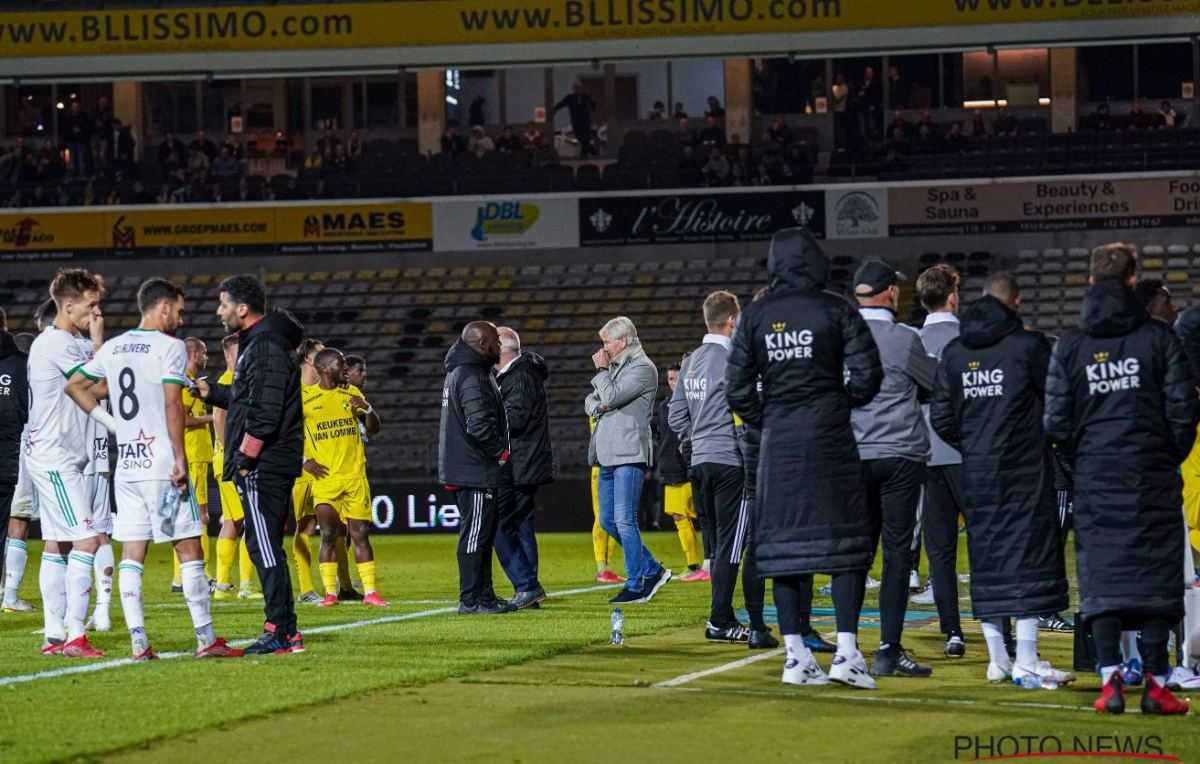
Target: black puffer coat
{"x": 14, "y": 406}
{"x": 817, "y": 360}
{"x": 473, "y": 435}
{"x": 523, "y": 386}
{"x": 987, "y": 403}
{"x": 1121, "y": 400}
{"x": 668, "y": 459}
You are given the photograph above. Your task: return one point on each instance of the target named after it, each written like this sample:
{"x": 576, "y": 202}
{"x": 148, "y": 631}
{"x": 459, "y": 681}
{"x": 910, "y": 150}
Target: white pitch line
{"x": 679, "y": 681}
{"x": 88, "y": 668}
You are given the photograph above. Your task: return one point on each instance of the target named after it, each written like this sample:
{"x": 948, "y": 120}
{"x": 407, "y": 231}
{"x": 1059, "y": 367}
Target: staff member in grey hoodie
{"x": 699, "y": 411}
{"x": 893, "y": 442}
{"x": 937, "y": 289}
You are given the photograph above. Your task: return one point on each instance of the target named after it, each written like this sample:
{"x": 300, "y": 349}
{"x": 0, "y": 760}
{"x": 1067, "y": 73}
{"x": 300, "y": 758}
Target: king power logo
{"x": 783, "y": 344}
{"x": 978, "y": 382}
{"x": 1109, "y": 375}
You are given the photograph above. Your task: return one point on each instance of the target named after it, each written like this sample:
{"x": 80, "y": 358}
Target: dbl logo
{"x": 503, "y": 219}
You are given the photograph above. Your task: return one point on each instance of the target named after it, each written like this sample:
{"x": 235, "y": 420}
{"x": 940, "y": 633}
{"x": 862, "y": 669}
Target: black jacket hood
{"x": 1111, "y": 309}
{"x": 796, "y": 261}
{"x": 8, "y": 345}
{"x": 986, "y": 322}
{"x": 536, "y": 364}
{"x": 462, "y": 354}
{"x": 1187, "y": 326}
{"x": 279, "y": 324}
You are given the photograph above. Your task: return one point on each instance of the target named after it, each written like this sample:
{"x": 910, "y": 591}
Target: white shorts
{"x": 24, "y": 503}
{"x": 139, "y": 518}
{"x": 102, "y": 518}
{"x": 64, "y": 500}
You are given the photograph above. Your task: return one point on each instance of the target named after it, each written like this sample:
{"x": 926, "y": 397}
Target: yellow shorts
{"x": 302, "y": 498}
{"x": 351, "y": 497}
{"x": 677, "y": 500}
{"x": 231, "y": 503}
{"x": 198, "y": 475}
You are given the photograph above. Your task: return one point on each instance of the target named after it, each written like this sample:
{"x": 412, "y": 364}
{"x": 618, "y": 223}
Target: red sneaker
{"x": 608, "y": 577}
{"x": 1157, "y": 699}
{"x": 330, "y": 600}
{"x": 219, "y": 649}
{"x": 1112, "y": 696}
{"x": 374, "y": 600}
{"x": 295, "y": 643}
{"x": 53, "y": 647}
{"x": 81, "y": 648}
{"x": 699, "y": 574}
{"x": 145, "y": 655}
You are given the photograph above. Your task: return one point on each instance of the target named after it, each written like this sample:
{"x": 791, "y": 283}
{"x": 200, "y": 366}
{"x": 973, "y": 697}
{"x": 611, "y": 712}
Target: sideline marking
{"x": 88, "y": 668}
{"x": 679, "y": 681}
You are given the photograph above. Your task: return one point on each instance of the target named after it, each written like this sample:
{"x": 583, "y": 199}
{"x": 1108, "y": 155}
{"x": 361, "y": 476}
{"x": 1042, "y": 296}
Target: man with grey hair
{"x": 522, "y": 378}
{"x": 622, "y": 403}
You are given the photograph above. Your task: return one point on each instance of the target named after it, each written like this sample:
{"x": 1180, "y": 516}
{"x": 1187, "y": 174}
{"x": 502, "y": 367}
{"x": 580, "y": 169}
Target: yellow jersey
{"x": 197, "y": 441}
{"x": 226, "y": 378}
{"x": 331, "y": 431}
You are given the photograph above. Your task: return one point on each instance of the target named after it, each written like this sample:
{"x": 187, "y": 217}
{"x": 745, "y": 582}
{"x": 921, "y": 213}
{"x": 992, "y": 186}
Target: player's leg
{"x": 900, "y": 482}
{"x": 342, "y": 552}
{"x": 516, "y": 565}
{"x": 198, "y": 487}
{"x": 265, "y": 499}
{"x": 800, "y": 667}
{"x": 603, "y": 545}
{"x": 724, "y": 487}
{"x": 1156, "y": 698}
{"x": 678, "y": 504}
{"x": 184, "y": 533}
{"x": 1066, "y": 511}
{"x": 939, "y": 526}
{"x": 246, "y": 570}
{"x": 1106, "y": 635}
{"x": 1030, "y": 668}
{"x": 102, "y": 567}
{"x": 129, "y": 581}
{"x": 227, "y": 544}
{"x": 67, "y": 498}
{"x": 16, "y": 555}
{"x": 306, "y": 527}
{"x": 708, "y": 524}
{"x": 526, "y": 531}
{"x": 849, "y": 666}
{"x": 328, "y": 520}
{"x": 364, "y": 557}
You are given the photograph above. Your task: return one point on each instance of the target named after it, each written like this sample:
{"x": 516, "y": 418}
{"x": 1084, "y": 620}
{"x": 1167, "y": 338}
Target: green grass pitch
{"x": 415, "y": 682}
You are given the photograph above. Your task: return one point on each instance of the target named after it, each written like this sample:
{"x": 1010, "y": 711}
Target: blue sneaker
{"x": 1131, "y": 672}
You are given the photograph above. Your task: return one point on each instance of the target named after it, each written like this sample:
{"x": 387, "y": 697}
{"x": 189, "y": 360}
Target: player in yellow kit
{"x": 197, "y": 442}
{"x": 341, "y": 494}
{"x": 604, "y": 547}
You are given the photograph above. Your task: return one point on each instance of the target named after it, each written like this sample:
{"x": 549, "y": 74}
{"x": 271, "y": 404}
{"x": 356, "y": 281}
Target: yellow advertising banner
{"x": 151, "y": 227}
{"x": 46, "y": 233}
{"x": 355, "y": 227}
{"x": 488, "y": 22}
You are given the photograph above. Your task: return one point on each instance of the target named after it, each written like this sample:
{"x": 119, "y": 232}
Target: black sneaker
{"x": 494, "y": 607}
{"x": 651, "y": 584}
{"x": 465, "y": 609}
{"x": 268, "y": 644}
{"x": 734, "y": 633}
{"x": 818, "y": 644}
{"x": 956, "y": 646}
{"x": 1055, "y": 622}
{"x": 762, "y": 639}
{"x": 349, "y": 595}
{"x": 531, "y": 598}
{"x": 896, "y": 661}
{"x": 177, "y": 588}
{"x": 624, "y": 596}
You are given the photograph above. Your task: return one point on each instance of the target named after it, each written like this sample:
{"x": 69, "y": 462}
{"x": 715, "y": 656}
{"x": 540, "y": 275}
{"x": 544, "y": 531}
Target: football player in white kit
{"x": 59, "y": 451}
{"x": 97, "y": 475}
{"x": 146, "y": 370}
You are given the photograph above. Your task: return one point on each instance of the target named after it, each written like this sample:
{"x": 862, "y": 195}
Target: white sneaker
{"x": 873, "y": 583}
{"x": 803, "y": 671}
{"x": 914, "y": 581}
{"x": 17, "y": 606}
{"x": 852, "y": 671}
{"x": 100, "y": 621}
{"x": 925, "y": 597}
{"x": 1182, "y": 678}
{"x": 998, "y": 673}
{"x": 1044, "y": 671}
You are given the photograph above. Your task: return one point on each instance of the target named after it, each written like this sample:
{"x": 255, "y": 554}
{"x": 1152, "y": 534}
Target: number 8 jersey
{"x": 137, "y": 364}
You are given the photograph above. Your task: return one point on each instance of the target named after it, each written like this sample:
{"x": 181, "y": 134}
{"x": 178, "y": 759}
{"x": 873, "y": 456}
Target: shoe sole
{"x": 660, "y": 584}
{"x": 854, "y": 684}
{"x": 808, "y": 682}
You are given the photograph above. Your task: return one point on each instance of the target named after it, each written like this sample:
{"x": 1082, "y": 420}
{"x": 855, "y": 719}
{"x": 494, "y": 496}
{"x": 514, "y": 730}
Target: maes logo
{"x": 21, "y": 234}
{"x": 123, "y": 236}
{"x": 503, "y": 219}
{"x": 342, "y": 225}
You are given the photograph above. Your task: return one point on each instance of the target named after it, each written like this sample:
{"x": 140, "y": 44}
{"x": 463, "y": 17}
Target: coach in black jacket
{"x": 473, "y": 460}
{"x": 987, "y": 404}
{"x": 522, "y": 378}
{"x": 14, "y": 412}
{"x": 1121, "y": 400}
{"x": 817, "y": 360}
{"x": 264, "y": 443}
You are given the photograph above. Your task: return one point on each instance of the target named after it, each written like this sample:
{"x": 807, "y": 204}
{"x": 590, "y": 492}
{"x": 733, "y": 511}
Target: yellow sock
{"x": 687, "y": 539}
{"x": 226, "y": 551}
{"x": 208, "y": 560}
{"x": 329, "y": 577}
{"x": 303, "y": 555}
{"x": 178, "y": 579}
{"x": 343, "y": 562}
{"x": 366, "y": 573}
{"x": 245, "y": 565}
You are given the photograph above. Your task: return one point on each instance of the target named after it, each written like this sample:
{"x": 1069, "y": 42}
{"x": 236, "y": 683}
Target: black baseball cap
{"x": 874, "y": 276}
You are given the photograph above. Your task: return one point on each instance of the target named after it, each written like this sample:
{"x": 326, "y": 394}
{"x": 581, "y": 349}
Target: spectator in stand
{"x": 327, "y": 141}
{"x": 475, "y": 114}
{"x": 1004, "y": 123}
{"x": 234, "y": 146}
{"x": 533, "y": 137}
{"x": 1101, "y": 118}
{"x": 658, "y": 112}
{"x": 1138, "y": 118}
{"x": 798, "y": 166}
{"x": 954, "y": 142}
{"x": 899, "y": 135}
{"x": 716, "y": 170}
{"x": 978, "y": 125}
{"x": 712, "y": 134}
{"x": 1169, "y": 115}
{"x": 742, "y": 169}
{"x": 77, "y": 129}
{"x": 205, "y": 146}
{"x": 715, "y": 109}
{"x": 868, "y": 103}
{"x": 198, "y": 163}
{"x": 898, "y": 89}
{"x": 170, "y": 145}
{"x": 927, "y": 135}
{"x": 226, "y": 166}
{"x": 816, "y": 90}
{"x": 779, "y": 134}
{"x": 102, "y": 133}
{"x": 354, "y": 147}
{"x": 685, "y": 137}
{"x": 679, "y": 112}
{"x": 481, "y": 143}
{"x": 841, "y": 97}
{"x": 691, "y": 166}
{"x": 508, "y": 142}
{"x": 580, "y": 107}
{"x": 452, "y": 142}
{"x": 340, "y": 163}
{"x": 314, "y": 161}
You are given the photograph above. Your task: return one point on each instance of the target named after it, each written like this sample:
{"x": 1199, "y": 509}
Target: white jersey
{"x": 97, "y": 434}
{"x": 59, "y": 431}
{"x": 137, "y": 364}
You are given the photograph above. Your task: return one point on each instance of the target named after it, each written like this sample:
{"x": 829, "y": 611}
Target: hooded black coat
{"x": 523, "y": 386}
{"x": 473, "y": 435}
{"x": 669, "y": 463}
{"x": 14, "y": 406}
{"x": 1121, "y": 402}
{"x": 987, "y": 403}
{"x": 817, "y": 360}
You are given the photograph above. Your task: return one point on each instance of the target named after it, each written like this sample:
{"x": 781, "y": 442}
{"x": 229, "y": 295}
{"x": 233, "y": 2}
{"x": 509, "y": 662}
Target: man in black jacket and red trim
{"x": 473, "y": 451}
{"x": 264, "y": 443}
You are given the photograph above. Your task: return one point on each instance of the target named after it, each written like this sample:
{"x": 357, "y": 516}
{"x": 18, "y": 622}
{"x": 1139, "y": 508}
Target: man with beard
{"x": 987, "y": 403}
{"x": 473, "y": 460}
{"x": 1121, "y": 402}
{"x": 816, "y": 360}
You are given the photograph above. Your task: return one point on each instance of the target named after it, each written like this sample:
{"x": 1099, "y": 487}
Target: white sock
{"x": 195, "y": 591}
{"x": 796, "y": 647}
{"x": 52, "y": 580}
{"x": 994, "y": 636}
{"x": 1129, "y": 646}
{"x": 130, "y": 581}
{"x": 79, "y": 591}
{"x": 847, "y": 644}
{"x": 15, "y": 555}
{"x": 707, "y": 566}
{"x": 1027, "y": 642}
{"x": 103, "y": 569}
{"x": 1106, "y": 673}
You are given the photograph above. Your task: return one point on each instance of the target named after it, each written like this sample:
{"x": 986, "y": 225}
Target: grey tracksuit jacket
{"x": 698, "y": 409}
